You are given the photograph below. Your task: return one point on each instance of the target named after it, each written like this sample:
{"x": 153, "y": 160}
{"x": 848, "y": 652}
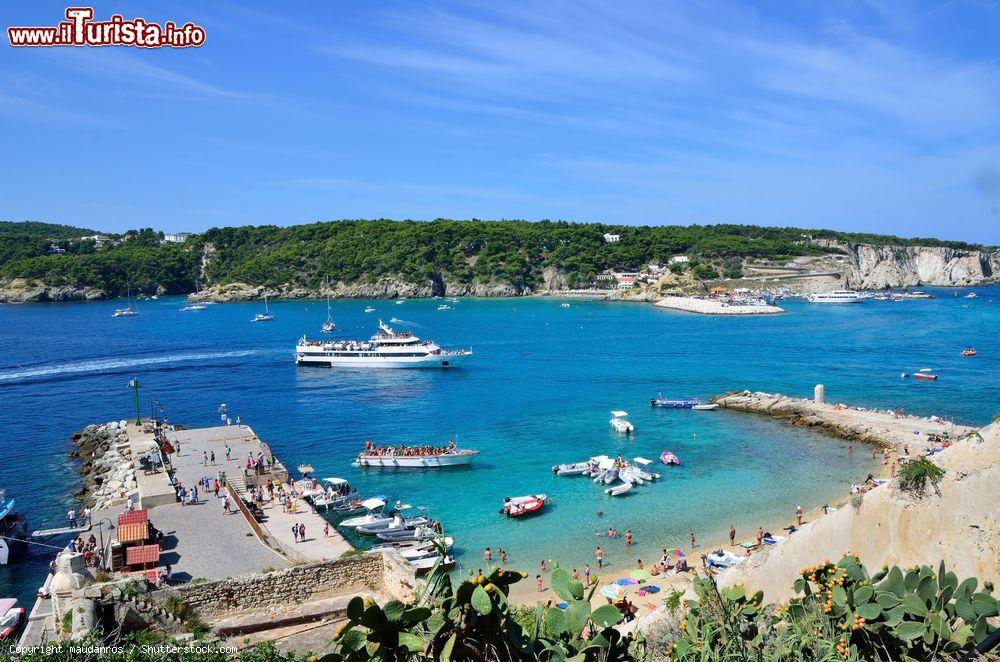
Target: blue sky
{"x": 872, "y": 116}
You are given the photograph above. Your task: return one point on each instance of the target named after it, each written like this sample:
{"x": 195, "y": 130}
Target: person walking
{"x": 538, "y": 580}
{"x": 204, "y": 458}
{"x": 226, "y": 505}
{"x": 86, "y": 516}
{"x": 295, "y": 531}
{"x": 228, "y": 452}
{"x": 71, "y": 516}
{"x": 302, "y": 532}
{"x": 326, "y": 530}
{"x": 215, "y": 487}
{"x": 211, "y": 458}
{"x": 599, "y": 555}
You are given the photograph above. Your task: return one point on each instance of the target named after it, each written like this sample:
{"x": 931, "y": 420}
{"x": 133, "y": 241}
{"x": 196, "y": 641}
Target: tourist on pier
{"x": 86, "y": 517}
{"x": 211, "y": 458}
{"x": 204, "y": 458}
{"x": 228, "y": 452}
{"x": 326, "y": 530}
{"x": 226, "y": 505}
{"x": 732, "y": 535}
{"x": 295, "y": 531}
{"x": 798, "y": 515}
{"x": 71, "y": 516}
{"x": 181, "y": 494}
{"x": 302, "y": 532}
{"x": 215, "y": 487}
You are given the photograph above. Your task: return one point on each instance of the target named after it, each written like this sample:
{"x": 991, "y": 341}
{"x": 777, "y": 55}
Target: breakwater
{"x": 884, "y": 428}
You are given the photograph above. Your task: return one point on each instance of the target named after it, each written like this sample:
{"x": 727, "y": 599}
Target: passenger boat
{"x": 265, "y": 316}
{"x": 836, "y": 296}
{"x": 969, "y": 351}
{"x": 619, "y": 421}
{"x": 451, "y": 458}
{"x": 523, "y": 505}
{"x": 11, "y": 618}
{"x": 385, "y": 349}
{"x": 13, "y": 531}
{"x": 669, "y": 459}
{"x": 673, "y": 403}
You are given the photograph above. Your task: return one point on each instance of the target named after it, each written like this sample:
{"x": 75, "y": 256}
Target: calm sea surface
{"x": 538, "y": 392}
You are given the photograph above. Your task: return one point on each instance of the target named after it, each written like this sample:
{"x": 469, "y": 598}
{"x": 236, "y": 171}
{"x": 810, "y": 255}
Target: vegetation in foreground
{"x": 351, "y": 251}
{"x": 840, "y": 612}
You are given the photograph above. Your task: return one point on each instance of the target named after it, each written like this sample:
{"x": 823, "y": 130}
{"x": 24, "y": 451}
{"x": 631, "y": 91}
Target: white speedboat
{"x": 417, "y": 546}
{"x": 265, "y": 316}
{"x": 444, "y": 306}
{"x": 425, "y": 565}
{"x": 386, "y": 349}
{"x": 369, "y": 309}
{"x": 706, "y": 407}
{"x": 13, "y": 531}
{"x": 619, "y": 421}
{"x": 618, "y": 490}
{"x": 193, "y": 306}
{"x": 836, "y": 296}
{"x": 373, "y": 508}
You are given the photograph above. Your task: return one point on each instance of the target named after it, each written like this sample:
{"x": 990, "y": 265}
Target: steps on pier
{"x": 239, "y": 483}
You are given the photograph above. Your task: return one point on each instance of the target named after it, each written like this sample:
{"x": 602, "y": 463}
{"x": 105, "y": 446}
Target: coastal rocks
{"x": 957, "y": 522}
{"x": 383, "y": 288}
{"x": 881, "y": 428}
{"x": 19, "y": 290}
{"x": 876, "y": 267}
{"x": 108, "y": 474}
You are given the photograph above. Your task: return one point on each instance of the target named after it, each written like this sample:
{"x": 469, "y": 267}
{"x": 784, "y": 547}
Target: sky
{"x": 877, "y": 116}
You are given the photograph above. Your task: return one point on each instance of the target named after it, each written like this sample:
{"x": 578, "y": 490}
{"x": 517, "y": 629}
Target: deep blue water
{"x": 538, "y": 392}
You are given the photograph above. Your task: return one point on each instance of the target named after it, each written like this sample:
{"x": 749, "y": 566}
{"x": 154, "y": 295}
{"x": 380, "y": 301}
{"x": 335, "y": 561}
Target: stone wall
{"x": 386, "y": 574}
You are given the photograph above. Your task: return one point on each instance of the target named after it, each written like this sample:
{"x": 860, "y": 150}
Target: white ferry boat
{"x": 386, "y": 349}
{"x": 451, "y": 458}
{"x": 836, "y": 296}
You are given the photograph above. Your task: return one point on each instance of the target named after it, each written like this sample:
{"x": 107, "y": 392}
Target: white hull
{"x": 416, "y": 461}
{"x": 430, "y": 361}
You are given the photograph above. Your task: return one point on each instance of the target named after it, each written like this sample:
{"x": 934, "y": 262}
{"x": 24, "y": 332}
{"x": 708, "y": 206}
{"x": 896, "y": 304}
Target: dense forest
{"x": 349, "y": 251}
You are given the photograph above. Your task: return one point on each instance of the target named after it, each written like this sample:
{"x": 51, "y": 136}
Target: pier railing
{"x": 261, "y": 532}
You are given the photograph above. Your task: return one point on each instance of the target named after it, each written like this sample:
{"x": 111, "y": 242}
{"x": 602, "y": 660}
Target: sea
{"x": 537, "y": 392}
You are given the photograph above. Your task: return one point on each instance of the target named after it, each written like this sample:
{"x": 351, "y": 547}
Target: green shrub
{"x": 914, "y": 475}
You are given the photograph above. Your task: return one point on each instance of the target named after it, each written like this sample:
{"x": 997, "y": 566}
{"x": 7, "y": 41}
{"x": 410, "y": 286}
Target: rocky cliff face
{"x": 383, "y": 288}
{"x": 19, "y": 290}
{"x": 876, "y": 267}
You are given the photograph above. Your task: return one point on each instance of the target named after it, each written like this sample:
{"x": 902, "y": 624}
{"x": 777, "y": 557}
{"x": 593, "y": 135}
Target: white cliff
{"x": 876, "y": 267}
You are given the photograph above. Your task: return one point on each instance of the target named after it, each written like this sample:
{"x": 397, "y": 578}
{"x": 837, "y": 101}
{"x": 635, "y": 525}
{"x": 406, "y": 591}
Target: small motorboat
{"x": 969, "y": 351}
{"x": 642, "y": 468}
{"x": 669, "y": 459}
{"x": 374, "y": 508}
{"x": 707, "y": 407}
{"x": 418, "y": 534}
{"x": 564, "y": 305}
{"x": 369, "y": 309}
{"x": 574, "y": 469}
{"x": 444, "y": 306}
{"x": 399, "y": 301}
{"x": 423, "y": 566}
{"x": 523, "y": 505}
{"x": 970, "y": 295}
{"x": 925, "y": 374}
{"x": 193, "y": 306}
{"x": 618, "y": 490}
{"x": 619, "y": 421}
{"x": 11, "y": 618}
{"x": 394, "y": 524}
{"x": 673, "y": 403}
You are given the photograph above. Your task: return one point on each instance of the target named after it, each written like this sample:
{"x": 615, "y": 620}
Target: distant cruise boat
{"x": 837, "y": 296}
{"x": 385, "y": 349}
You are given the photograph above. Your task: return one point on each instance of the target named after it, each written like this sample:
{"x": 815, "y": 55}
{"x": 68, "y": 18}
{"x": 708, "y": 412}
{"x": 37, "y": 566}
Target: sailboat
{"x": 328, "y": 325}
{"x": 127, "y": 311}
{"x": 265, "y": 316}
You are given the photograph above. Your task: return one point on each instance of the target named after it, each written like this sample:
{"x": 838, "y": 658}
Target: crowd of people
{"x": 371, "y": 448}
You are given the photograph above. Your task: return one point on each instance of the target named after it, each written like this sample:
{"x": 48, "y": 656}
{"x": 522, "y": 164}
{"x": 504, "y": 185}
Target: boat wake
{"x": 111, "y": 365}
{"x": 396, "y": 320}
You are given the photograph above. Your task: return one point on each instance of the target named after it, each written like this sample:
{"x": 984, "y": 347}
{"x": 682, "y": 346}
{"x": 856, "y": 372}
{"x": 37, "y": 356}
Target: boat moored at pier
{"x": 415, "y": 457}
{"x": 13, "y": 531}
{"x": 836, "y": 296}
{"x": 386, "y": 349}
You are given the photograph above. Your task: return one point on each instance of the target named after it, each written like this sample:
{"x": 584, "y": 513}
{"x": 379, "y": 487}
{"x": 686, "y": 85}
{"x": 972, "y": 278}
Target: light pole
{"x": 134, "y": 385}
{"x": 100, "y": 529}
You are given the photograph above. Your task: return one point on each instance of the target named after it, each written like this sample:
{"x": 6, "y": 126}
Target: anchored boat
{"x": 523, "y": 505}
{"x": 619, "y": 421}
{"x": 451, "y": 457}
{"x": 674, "y": 403}
{"x": 386, "y": 349}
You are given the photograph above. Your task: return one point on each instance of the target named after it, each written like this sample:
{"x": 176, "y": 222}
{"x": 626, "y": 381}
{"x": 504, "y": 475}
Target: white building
{"x": 679, "y": 259}
{"x": 55, "y": 250}
{"x": 612, "y": 238}
{"x": 176, "y": 238}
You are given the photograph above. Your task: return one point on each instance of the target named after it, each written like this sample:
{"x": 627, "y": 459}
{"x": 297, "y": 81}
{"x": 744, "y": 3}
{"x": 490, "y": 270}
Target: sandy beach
{"x": 712, "y": 307}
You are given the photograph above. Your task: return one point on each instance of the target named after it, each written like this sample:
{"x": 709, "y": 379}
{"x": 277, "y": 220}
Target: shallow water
{"x": 538, "y": 392}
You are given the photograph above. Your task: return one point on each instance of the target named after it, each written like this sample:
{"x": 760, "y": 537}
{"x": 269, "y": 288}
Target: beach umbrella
{"x": 641, "y": 574}
{"x": 674, "y": 552}
{"x": 611, "y": 591}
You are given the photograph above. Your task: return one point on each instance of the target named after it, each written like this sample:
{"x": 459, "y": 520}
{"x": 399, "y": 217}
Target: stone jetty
{"x": 884, "y": 428}
{"x": 105, "y": 466}
{"x": 713, "y": 307}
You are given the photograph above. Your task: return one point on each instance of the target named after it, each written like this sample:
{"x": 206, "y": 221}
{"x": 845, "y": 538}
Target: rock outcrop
{"x": 957, "y": 522}
{"x": 876, "y": 267}
{"x": 20, "y": 290}
{"x": 383, "y": 288}
{"x": 108, "y": 474}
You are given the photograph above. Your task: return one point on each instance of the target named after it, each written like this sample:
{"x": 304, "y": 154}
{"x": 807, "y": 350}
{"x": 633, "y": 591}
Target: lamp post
{"x": 134, "y": 385}
{"x": 100, "y": 529}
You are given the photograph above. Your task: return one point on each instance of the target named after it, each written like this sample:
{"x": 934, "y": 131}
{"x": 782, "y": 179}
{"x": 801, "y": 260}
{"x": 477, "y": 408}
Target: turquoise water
{"x": 538, "y": 392}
